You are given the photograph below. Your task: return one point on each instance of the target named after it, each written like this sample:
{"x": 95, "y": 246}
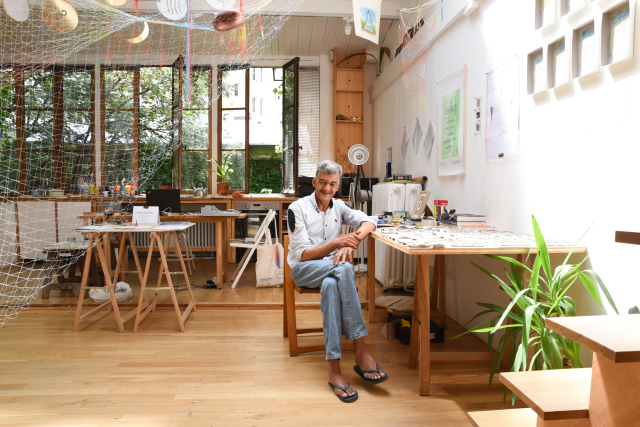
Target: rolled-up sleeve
{"x": 298, "y": 236}
{"x": 355, "y": 218}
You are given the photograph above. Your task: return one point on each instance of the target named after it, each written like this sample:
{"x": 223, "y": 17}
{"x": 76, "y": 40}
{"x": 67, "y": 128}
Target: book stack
{"x": 468, "y": 220}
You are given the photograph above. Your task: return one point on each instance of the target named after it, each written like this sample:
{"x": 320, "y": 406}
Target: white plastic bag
{"x": 123, "y": 293}
{"x": 270, "y": 266}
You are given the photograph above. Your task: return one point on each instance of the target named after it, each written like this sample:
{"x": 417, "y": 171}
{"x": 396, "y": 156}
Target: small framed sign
{"x": 143, "y": 215}
{"x": 421, "y": 204}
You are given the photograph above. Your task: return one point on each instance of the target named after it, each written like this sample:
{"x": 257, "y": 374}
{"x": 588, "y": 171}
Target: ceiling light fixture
{"x": 347, "y": 27}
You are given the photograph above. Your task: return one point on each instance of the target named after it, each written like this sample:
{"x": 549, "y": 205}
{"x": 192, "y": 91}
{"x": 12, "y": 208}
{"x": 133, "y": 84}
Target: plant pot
{"x": 223, "y": 188}
{"x": 165, "y": 187}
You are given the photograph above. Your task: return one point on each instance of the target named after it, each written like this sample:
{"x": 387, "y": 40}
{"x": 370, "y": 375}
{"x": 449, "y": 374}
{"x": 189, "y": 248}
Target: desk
{"x": 222, "y": 242}
{"x": 143, "y": 302}
{"x": 420, "y": 348}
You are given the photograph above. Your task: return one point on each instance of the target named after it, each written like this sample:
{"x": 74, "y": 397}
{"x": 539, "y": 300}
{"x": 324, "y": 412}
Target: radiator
{"x": 400, "y": 269}
{"x": 201, "y": 235}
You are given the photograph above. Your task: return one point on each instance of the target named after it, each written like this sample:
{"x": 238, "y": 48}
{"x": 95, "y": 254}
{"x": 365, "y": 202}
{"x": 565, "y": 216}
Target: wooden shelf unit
{"x": 348, "y": 98}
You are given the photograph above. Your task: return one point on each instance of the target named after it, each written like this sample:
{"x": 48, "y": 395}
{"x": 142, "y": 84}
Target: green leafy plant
{"x": 225, "y": 167}
{"x": 533, "y": 300}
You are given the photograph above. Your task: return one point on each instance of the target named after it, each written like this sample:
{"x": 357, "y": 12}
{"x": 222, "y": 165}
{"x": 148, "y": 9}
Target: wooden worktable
{"x": 421, "y": 330}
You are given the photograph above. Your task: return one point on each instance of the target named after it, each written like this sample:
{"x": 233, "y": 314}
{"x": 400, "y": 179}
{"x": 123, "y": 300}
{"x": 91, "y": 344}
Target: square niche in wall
{"x": 536, "y": 73}
{"x": 617, "y": 33}
{"x": 568, "y": 7}
{"x": 558, "y": 63}
{"x": 545, "y": 13}
{"x": 584, "y": 50}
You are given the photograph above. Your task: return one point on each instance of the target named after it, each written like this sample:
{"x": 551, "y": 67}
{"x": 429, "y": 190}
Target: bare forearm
{"x": 319, "y": 252}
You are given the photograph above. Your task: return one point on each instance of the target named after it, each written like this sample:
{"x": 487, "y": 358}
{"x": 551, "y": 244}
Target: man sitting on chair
{"x": 318, "y": 258}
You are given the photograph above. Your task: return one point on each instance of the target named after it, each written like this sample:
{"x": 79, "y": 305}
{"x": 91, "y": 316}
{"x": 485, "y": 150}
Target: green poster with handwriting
{"x": 450, "y": 124}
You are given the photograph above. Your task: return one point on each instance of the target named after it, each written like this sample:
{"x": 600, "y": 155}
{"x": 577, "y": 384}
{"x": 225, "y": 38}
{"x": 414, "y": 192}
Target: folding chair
{"x": 262, "y": 231}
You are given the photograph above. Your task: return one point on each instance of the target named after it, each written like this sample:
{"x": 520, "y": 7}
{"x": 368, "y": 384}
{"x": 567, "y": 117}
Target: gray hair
{"x": 329, "y": 167}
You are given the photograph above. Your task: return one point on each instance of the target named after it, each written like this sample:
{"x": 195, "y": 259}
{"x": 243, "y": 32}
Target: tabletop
{"x": 472, "y": 246}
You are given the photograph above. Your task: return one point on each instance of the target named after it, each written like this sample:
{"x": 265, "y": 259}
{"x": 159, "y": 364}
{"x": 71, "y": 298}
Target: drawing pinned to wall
{"x": 619, "y": 46}
{"x": 503, "y": 110}
{"x": 587, "y": 49}
{"x": 452, "y": 100}
{"x": 405, "y": 143}
{"x": 428, "y": 140}
{"x": 417, "y": 135}
{"x": 366, "y": 17}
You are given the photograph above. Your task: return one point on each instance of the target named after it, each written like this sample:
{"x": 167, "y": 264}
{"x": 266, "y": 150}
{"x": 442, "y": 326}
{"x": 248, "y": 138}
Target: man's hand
{"x": 364, "y": 230}
{"x": 343, "y": 254}
{"x": 350, "y": 240}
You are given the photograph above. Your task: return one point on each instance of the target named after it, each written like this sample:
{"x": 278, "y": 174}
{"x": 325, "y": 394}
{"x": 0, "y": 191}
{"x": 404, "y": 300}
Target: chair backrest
{"x": 287, "y": 269}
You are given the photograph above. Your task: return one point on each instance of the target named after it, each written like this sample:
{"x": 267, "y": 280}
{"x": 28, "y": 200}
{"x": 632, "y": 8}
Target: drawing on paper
{"x": 450, "y": 124}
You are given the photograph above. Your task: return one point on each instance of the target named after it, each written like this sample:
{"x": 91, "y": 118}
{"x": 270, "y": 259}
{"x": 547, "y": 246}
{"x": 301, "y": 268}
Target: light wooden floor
{"x": 244, "y": 294}
{"x": 230, "y": 368}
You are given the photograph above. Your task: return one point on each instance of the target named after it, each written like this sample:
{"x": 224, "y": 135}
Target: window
{"x": 256, "y": 145}
{"x": 309, "y": 122}
{"x": 256, "y": 105}
{"x": 46, "y": 127}
{"x": 8, "y": 136}
{"x": 121, "y": 120}
{"x": 138, "y": 139}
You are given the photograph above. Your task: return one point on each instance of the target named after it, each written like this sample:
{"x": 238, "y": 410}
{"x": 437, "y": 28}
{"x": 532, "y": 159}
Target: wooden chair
{"x": 289, "y": 324}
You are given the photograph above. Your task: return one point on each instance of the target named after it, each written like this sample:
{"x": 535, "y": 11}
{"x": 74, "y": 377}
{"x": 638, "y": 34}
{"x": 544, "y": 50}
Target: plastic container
{"x": 84, "y": 188}
{"x": 403, "y": 333}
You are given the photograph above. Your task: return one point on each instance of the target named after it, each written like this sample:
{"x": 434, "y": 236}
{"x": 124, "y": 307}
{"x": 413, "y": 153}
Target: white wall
{"x": 578, "y": 158}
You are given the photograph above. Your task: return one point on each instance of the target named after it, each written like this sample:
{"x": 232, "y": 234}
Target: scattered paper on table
{"x": 428, "y": 141}
{"x": 417, "y": 135}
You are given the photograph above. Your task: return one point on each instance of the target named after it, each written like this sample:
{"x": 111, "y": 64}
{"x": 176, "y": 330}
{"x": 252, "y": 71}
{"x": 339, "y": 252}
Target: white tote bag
{"x": 270, "y": 263}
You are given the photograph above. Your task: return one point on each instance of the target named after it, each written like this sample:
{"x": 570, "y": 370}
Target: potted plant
{"x": 533, "y": 300}
{"x": 224, "y": 169}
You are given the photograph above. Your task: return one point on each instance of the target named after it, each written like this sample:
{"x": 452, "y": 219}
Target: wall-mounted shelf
{"x": 348, "y": 97}
{"x": 536, "y": 75}
{"x": 545, "y": 14}
{"x": 558, "y": 63}
{"x": 584, "y": 50}
{"x": 618, "y": 23}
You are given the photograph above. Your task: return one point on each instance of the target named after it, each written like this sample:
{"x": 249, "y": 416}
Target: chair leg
{"x": 285, "y": 324}
{"x": 291, "y": 318}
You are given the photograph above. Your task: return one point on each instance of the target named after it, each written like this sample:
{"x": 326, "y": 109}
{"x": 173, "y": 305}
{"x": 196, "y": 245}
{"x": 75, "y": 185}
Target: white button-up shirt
{"x": 309, "y": 227}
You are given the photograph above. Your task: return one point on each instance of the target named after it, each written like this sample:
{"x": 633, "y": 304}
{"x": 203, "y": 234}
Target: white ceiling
{"x": 312, "y": 36}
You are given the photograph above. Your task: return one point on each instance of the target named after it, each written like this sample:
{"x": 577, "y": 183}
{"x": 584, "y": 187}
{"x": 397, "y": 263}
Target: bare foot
{"x": 336, "y": 378}
{"x": 365, "y": 360}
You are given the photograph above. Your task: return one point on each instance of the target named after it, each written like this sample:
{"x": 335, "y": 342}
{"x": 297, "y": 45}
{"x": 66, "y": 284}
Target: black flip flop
{"x": 344, "y": 399}
{"x": 367, "y": 371}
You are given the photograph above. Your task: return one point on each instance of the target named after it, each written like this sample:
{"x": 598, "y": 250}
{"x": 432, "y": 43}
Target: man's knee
{"x": 329, "y": 284}
{"x": 346, "y": 270}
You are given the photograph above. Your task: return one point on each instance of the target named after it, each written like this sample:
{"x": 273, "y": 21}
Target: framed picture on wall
{"x": 421, "y": 204}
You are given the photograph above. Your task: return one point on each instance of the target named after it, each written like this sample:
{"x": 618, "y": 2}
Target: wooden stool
{"x": 289, "y": 325}
{"x": 188, "y": 255}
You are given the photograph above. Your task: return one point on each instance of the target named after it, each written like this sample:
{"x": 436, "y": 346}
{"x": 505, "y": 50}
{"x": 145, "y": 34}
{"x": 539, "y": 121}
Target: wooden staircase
{"x": 606, "y": 395}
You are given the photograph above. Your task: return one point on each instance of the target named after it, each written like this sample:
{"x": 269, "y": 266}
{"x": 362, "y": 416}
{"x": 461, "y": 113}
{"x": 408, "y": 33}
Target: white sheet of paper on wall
{"x": 428, "y": 141}
{"x": 405, "y": 143}
{"x": 417, "y": 135}
{"x": 620, "y": 36}
{"x": 587, "y": 51}
{"x": 560, "y": 64}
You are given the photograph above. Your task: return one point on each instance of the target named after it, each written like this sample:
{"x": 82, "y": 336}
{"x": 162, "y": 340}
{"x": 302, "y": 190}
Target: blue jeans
{"x": 339, "y": 301}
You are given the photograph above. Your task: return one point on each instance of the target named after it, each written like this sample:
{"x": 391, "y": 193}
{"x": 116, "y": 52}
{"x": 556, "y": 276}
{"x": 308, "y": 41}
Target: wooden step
{"x": 505, "y": 418}
{"x": 614, "y": 337}
{"x": 561, "y": 394}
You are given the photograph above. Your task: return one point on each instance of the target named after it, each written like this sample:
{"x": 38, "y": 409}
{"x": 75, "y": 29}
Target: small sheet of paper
{"x": 405, "y": 143}
{"x": 146, "y": 215}
{"x": 93, "y": 227}
{"x": 417, "y": 135}
{"x": 428, "y": 141}
{"x": 172, "y": 226}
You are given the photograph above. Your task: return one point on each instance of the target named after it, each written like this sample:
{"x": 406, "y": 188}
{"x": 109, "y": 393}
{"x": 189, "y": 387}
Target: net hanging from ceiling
{"x": 82, "y": 99}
